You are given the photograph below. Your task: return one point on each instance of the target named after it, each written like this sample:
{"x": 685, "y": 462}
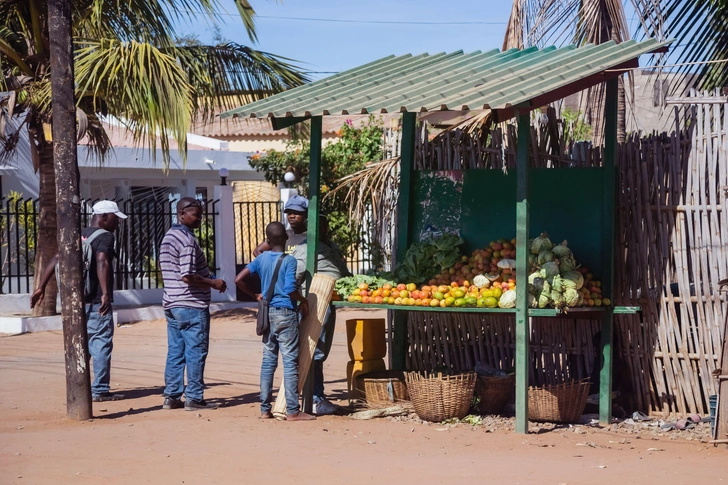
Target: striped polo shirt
{"x": 180, "y": 255}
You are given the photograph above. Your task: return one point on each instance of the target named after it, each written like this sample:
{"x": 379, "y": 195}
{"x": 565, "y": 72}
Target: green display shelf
{"x": 534, "y": 312}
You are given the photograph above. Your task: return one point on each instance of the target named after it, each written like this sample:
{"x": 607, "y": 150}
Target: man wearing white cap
{"x": 99, "y": 294}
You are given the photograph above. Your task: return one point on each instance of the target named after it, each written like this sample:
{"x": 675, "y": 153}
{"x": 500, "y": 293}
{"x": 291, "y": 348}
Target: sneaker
{"x": 107, "y": 396}
{"x": 194, "y": 405}
{"x": 172, "y": 403}
{"x": 324, "y": 406}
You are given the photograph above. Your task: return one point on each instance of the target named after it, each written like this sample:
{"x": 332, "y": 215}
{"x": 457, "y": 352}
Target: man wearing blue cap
{"x": 296, "y": 210}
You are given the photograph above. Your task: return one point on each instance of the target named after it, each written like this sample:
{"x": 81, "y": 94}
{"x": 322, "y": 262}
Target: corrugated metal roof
{"x": 454, "y": 82}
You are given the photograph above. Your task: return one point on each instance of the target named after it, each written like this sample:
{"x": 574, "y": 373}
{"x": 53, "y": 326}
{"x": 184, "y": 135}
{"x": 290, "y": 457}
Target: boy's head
{"x": 275, "y": 232}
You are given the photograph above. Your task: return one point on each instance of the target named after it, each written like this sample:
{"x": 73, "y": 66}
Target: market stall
{"x": 521, "y": 203}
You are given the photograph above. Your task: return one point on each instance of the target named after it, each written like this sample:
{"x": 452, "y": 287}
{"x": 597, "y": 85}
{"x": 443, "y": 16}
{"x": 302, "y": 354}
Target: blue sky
{"x": 336, "y": 46}
{"x": 326, "y": 47}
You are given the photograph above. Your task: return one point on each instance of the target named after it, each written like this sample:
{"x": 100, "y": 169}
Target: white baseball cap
{"x": 108, "y": 207}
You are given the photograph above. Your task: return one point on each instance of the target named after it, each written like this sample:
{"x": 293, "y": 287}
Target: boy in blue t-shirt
{"x": 283, "y": 321}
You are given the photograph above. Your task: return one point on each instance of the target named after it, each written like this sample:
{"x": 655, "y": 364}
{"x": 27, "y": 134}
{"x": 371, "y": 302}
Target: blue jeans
{"x": 100, "y": 330}
{"x": 323, "y": 347}
{"x": 187, "y": 345}
{"x": 283, "y": 336}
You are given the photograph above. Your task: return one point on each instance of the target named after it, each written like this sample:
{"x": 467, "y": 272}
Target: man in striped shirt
{"x": 186, "y": 303}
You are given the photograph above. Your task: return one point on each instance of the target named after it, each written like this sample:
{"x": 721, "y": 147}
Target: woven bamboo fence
{"x": 672, "y": 230}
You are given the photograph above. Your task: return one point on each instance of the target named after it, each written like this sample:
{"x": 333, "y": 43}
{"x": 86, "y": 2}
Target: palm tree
{"x": 580, "y": 22}
{"x": 127, "y": 64}
{"x": 700, "y": 30}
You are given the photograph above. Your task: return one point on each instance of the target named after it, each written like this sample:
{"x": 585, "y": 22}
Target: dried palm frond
{"x": 371, "y": 194}
{"x": 367, "y": 188}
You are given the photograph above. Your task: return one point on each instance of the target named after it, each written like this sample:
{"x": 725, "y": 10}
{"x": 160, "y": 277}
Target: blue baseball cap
{"x": 297, "y": 203}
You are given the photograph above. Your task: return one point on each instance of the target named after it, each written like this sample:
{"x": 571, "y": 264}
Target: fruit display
{"x": 487, "y": 279}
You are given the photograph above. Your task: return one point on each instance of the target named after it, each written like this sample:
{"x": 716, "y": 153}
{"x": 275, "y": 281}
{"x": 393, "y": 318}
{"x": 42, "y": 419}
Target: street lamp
{"x": 289, "y": 178}
{"x": 223, "y": 172}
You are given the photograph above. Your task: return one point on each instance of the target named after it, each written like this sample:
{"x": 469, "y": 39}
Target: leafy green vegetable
{"x": 345, "y": 286}
{"x": 426, "y": 259}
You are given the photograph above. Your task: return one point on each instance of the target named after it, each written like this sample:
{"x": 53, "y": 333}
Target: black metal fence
{"x": 251, "y": 218}
{"x": 18, "y": 233}
{"x": 137, "y": 241}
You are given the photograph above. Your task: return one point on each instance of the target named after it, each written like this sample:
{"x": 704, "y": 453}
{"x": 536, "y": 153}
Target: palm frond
{"x": 368, "y": 188}
{"x": 247, "y": 15}
{"x": 141, "y": 84}
{"x": 228, "y": 75}
{"x": 700, "y": 27}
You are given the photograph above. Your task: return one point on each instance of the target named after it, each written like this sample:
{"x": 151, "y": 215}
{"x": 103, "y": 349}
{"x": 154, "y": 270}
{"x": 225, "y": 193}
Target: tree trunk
{"x": 46, "y": 242}
{"x": 75, "y": 339}
{"x": 621, "y": 112}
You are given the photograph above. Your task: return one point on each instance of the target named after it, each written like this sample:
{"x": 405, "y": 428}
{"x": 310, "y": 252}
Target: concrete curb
{"x": 18, "y": 324}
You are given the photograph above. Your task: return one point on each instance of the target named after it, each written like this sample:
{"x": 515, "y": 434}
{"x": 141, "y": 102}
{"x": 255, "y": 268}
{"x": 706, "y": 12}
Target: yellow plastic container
{"x": 356, "y": 367}
{"x": 366, "y": 339}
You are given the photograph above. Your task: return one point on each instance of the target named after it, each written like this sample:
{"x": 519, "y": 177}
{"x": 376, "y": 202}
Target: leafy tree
{"x": 128, "y": 64}
{"x": 350, "y": 153}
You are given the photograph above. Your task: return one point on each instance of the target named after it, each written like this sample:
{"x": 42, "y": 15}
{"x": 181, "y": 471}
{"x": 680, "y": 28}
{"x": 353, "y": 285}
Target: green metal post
{"x": 406, "y": 163}
{"x": 522, "y": 250}
{"x": 314, "y": 193}
{"x": 607, "y": 331}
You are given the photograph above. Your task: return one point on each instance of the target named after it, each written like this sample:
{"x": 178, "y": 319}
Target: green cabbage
{"x": 562, "y": 251}
{"x": 550, "y": 269}
{"x": 571, "y": 297}
{"x": 543, "y": 300}
{"x": 567, "y": 264}
{"x": 541, "y": 243}
{"x": 532, "y": 301}
{"x": 557, "y": 284}
{"x": 545, "y": 256}
{"x": 557, "y": 299}
{"x": 572, "y": 279}
{"x": 535, "y": 283}
{"x": 508, "y": 299}
{"x": 480, "y": 281}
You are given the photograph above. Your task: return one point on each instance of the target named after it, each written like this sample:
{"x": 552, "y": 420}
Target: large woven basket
{"x": 382, "y": 389}
{"x": 560, "y": 403}
{"x": 437, "y": 398}
{"x": 494, "y": 393}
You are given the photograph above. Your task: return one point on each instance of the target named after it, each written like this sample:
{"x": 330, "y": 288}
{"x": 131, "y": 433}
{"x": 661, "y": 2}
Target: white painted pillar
{"x": 225, "y": 242}
{"x": 188, "y": 188}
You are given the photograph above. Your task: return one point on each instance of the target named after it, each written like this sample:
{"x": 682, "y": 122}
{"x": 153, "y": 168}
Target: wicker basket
{"x": 494, "y": 393}
{"x": 381, "y": 389}
{"x": 437, "y": 398}
{"x": 561, "y": 403}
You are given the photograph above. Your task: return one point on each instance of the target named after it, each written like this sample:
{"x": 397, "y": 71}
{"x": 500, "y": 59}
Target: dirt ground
{"x": 134, "y": 441}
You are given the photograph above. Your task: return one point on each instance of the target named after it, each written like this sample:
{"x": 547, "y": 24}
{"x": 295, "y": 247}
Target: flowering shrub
{"x": 354, "y": 148}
